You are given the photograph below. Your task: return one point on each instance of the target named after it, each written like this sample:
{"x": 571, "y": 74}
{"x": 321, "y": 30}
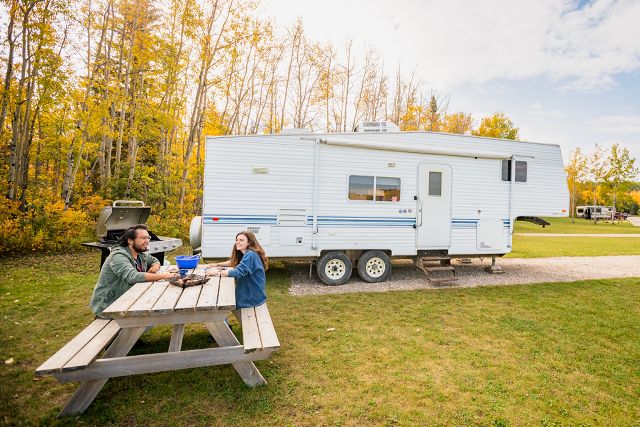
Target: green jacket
{"x": 118, "y": 274}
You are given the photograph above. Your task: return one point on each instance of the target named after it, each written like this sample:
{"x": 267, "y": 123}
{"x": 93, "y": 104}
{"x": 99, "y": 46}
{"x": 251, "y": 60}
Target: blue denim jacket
{"x": 250, "y": 281}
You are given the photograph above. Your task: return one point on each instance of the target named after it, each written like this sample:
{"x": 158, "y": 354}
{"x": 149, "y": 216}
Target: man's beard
{"x": 139, "y": 248}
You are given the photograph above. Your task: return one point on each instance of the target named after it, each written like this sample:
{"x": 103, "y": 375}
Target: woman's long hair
{"x": 254, "y": 245}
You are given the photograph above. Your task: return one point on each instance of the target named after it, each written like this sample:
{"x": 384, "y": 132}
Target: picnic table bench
{"x": 150, "y": 304}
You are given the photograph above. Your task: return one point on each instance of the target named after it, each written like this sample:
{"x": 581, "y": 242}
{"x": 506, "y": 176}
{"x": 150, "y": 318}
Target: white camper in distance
{"x": 362, "y": 198}
{"x": 594, "y": 212}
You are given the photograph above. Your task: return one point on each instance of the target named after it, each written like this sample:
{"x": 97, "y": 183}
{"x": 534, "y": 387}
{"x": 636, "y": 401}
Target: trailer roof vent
{"x": 377, "y": 126}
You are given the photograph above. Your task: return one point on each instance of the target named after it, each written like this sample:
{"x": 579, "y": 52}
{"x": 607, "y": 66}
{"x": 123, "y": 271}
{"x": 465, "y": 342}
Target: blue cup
{"x": 183, "y": 272}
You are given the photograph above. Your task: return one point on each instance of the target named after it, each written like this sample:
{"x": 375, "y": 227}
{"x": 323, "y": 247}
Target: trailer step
{"x": 436, "y": 264}
{"x": 441, "y": 268}
{"x": 435, "y": 258}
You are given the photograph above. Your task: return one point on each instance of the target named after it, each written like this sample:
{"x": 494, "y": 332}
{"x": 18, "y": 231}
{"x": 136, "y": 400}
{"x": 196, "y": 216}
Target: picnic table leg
{"x": 176, "y": 338}
{"x": 88, "y": 390}
{"x": 247, "y": 370}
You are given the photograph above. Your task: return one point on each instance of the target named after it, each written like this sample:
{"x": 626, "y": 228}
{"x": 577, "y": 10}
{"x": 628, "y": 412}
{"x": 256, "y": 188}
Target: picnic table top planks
{"x": 161, "y": 298}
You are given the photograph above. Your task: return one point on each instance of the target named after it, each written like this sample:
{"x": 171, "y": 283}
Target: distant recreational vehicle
{"x": 358, "y": 199}
{"x": 594, "y": 212}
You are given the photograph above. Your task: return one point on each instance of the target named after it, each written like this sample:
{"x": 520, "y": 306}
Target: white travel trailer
{"x": 361, "y": 198}
{"x": 594, "y": 212}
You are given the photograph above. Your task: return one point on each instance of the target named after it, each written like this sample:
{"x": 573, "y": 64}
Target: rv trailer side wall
{"x": 266, "y": 183}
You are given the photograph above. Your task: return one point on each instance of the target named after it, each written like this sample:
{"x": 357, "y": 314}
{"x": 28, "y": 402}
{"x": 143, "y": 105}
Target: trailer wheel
{"x": 374, "y": 266}
{"x": 334, "y": 268}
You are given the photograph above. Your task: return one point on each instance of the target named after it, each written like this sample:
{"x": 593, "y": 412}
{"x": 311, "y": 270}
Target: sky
{"x": 565, "y": 71}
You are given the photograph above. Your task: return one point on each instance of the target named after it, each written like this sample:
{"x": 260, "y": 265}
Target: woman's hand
{"x": 217, "y": 271}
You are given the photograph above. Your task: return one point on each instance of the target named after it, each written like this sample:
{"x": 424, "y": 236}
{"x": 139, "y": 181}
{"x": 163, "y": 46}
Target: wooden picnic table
{"x": 160, "y": 303}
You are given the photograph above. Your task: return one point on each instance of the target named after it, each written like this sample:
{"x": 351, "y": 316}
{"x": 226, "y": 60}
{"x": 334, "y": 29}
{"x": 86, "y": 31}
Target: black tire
{"x": 374, "y": 266}
{"x": 334, "y": 268}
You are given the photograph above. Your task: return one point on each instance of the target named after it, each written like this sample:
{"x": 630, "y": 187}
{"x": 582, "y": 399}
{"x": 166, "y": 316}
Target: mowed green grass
{"x": 580, "y": 226}
{"x": 547, "y": 354}
{"x": 537, "y": 247}
{"x": 551, "y": 246}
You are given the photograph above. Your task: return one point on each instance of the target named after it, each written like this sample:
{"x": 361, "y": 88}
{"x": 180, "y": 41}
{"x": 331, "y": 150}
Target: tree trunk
{"x": 294, "y": 46}
{"x": 9, "y": 74}
{"x": 132, "y": 142}
{"x": 199, "y": 106}
{"x": 72, "y": 171}
{"x": 595, "y": 202}
{"x": 16, "y": 145}
{"x": 125, "y": 95}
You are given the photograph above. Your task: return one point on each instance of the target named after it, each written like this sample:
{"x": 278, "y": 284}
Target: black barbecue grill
{"x": 114, "y": 221}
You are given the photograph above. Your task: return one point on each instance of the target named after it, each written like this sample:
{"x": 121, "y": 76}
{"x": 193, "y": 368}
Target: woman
{"x": 248, "y": 262}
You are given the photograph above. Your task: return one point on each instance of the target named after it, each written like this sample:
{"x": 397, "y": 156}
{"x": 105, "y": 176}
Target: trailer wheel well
{"x": 354, "y": 254}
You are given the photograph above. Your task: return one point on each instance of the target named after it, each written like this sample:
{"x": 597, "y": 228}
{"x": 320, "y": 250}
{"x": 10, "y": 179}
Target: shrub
{"x": 42, "y": 227}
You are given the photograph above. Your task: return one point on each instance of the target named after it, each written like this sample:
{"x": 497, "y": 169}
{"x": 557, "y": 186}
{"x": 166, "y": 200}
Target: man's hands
{"x": 154, "y": 268}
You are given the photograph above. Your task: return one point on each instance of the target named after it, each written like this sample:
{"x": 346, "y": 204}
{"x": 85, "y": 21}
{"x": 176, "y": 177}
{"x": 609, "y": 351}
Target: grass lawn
{"x": 535, "y": 247}
{"x": 580, "y": 226}
{"x": 549, "y": 354}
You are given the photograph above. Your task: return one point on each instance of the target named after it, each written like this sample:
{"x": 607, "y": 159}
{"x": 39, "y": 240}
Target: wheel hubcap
{"x": 375, "y": 267}
{"x": 335, "y": 269}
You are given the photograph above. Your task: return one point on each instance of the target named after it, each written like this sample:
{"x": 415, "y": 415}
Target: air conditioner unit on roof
{"x": 377, "y": 126}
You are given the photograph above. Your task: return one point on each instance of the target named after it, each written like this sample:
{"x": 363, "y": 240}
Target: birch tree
{"x": 597, "y": 171}
{"x": 209, "y": 45}
{"x": 576, "y": 171}
{"x": 460, "y": 123}
{"x": 621, "y": 170}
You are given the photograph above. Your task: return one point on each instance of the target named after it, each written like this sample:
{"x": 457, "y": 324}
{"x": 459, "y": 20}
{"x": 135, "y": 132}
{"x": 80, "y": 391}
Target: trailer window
{"x": 361, "y": 187}
{"x": 521, "y": 171}
{"x": 387, "y": 189}
{"x": 506, "y": 170}
{"x": 435, "y": 183}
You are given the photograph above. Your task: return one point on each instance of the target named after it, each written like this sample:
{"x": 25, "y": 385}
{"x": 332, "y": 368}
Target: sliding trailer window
{"x": 385, "y": 189}
{"x": 521, "y": 170}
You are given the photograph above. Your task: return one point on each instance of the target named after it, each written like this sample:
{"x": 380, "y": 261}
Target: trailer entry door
{"x": 434, "y": 206}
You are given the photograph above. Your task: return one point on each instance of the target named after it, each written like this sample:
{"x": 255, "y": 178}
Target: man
{"x": 127, "y": 265}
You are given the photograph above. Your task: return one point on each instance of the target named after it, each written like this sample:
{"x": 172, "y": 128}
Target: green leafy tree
{"x": 433, "y": 118}
{"x": 498, "y": 125}
{"x": 576, "y": 171}
{"x": 597, "y": 170}
{"x": 621, "y": 170}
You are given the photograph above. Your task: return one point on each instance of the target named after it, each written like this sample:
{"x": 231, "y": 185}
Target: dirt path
{"x": 406, "y": 276}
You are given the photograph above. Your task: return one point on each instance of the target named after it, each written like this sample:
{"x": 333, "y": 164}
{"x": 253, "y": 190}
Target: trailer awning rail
{"x": 418, "y": 150}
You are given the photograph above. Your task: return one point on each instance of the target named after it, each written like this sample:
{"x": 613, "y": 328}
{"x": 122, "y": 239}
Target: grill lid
{"x": 122, "y": 215}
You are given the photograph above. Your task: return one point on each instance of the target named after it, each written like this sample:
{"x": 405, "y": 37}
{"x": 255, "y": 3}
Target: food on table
{"x": 189, "y": 280}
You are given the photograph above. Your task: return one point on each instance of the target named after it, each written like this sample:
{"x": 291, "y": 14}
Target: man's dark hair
{"x": 130, "y": 233}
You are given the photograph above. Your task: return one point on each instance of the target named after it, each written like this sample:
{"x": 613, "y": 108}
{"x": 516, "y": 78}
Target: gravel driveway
{"x": 406, "y": 276}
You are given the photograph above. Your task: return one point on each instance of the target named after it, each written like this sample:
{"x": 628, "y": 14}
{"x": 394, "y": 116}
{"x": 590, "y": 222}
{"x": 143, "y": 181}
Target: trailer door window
{"x": 361, "y": 187}
{"x": 435, "y": 183}
{"x": 387, "y": 189}
{"x": 521, "y": 171}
